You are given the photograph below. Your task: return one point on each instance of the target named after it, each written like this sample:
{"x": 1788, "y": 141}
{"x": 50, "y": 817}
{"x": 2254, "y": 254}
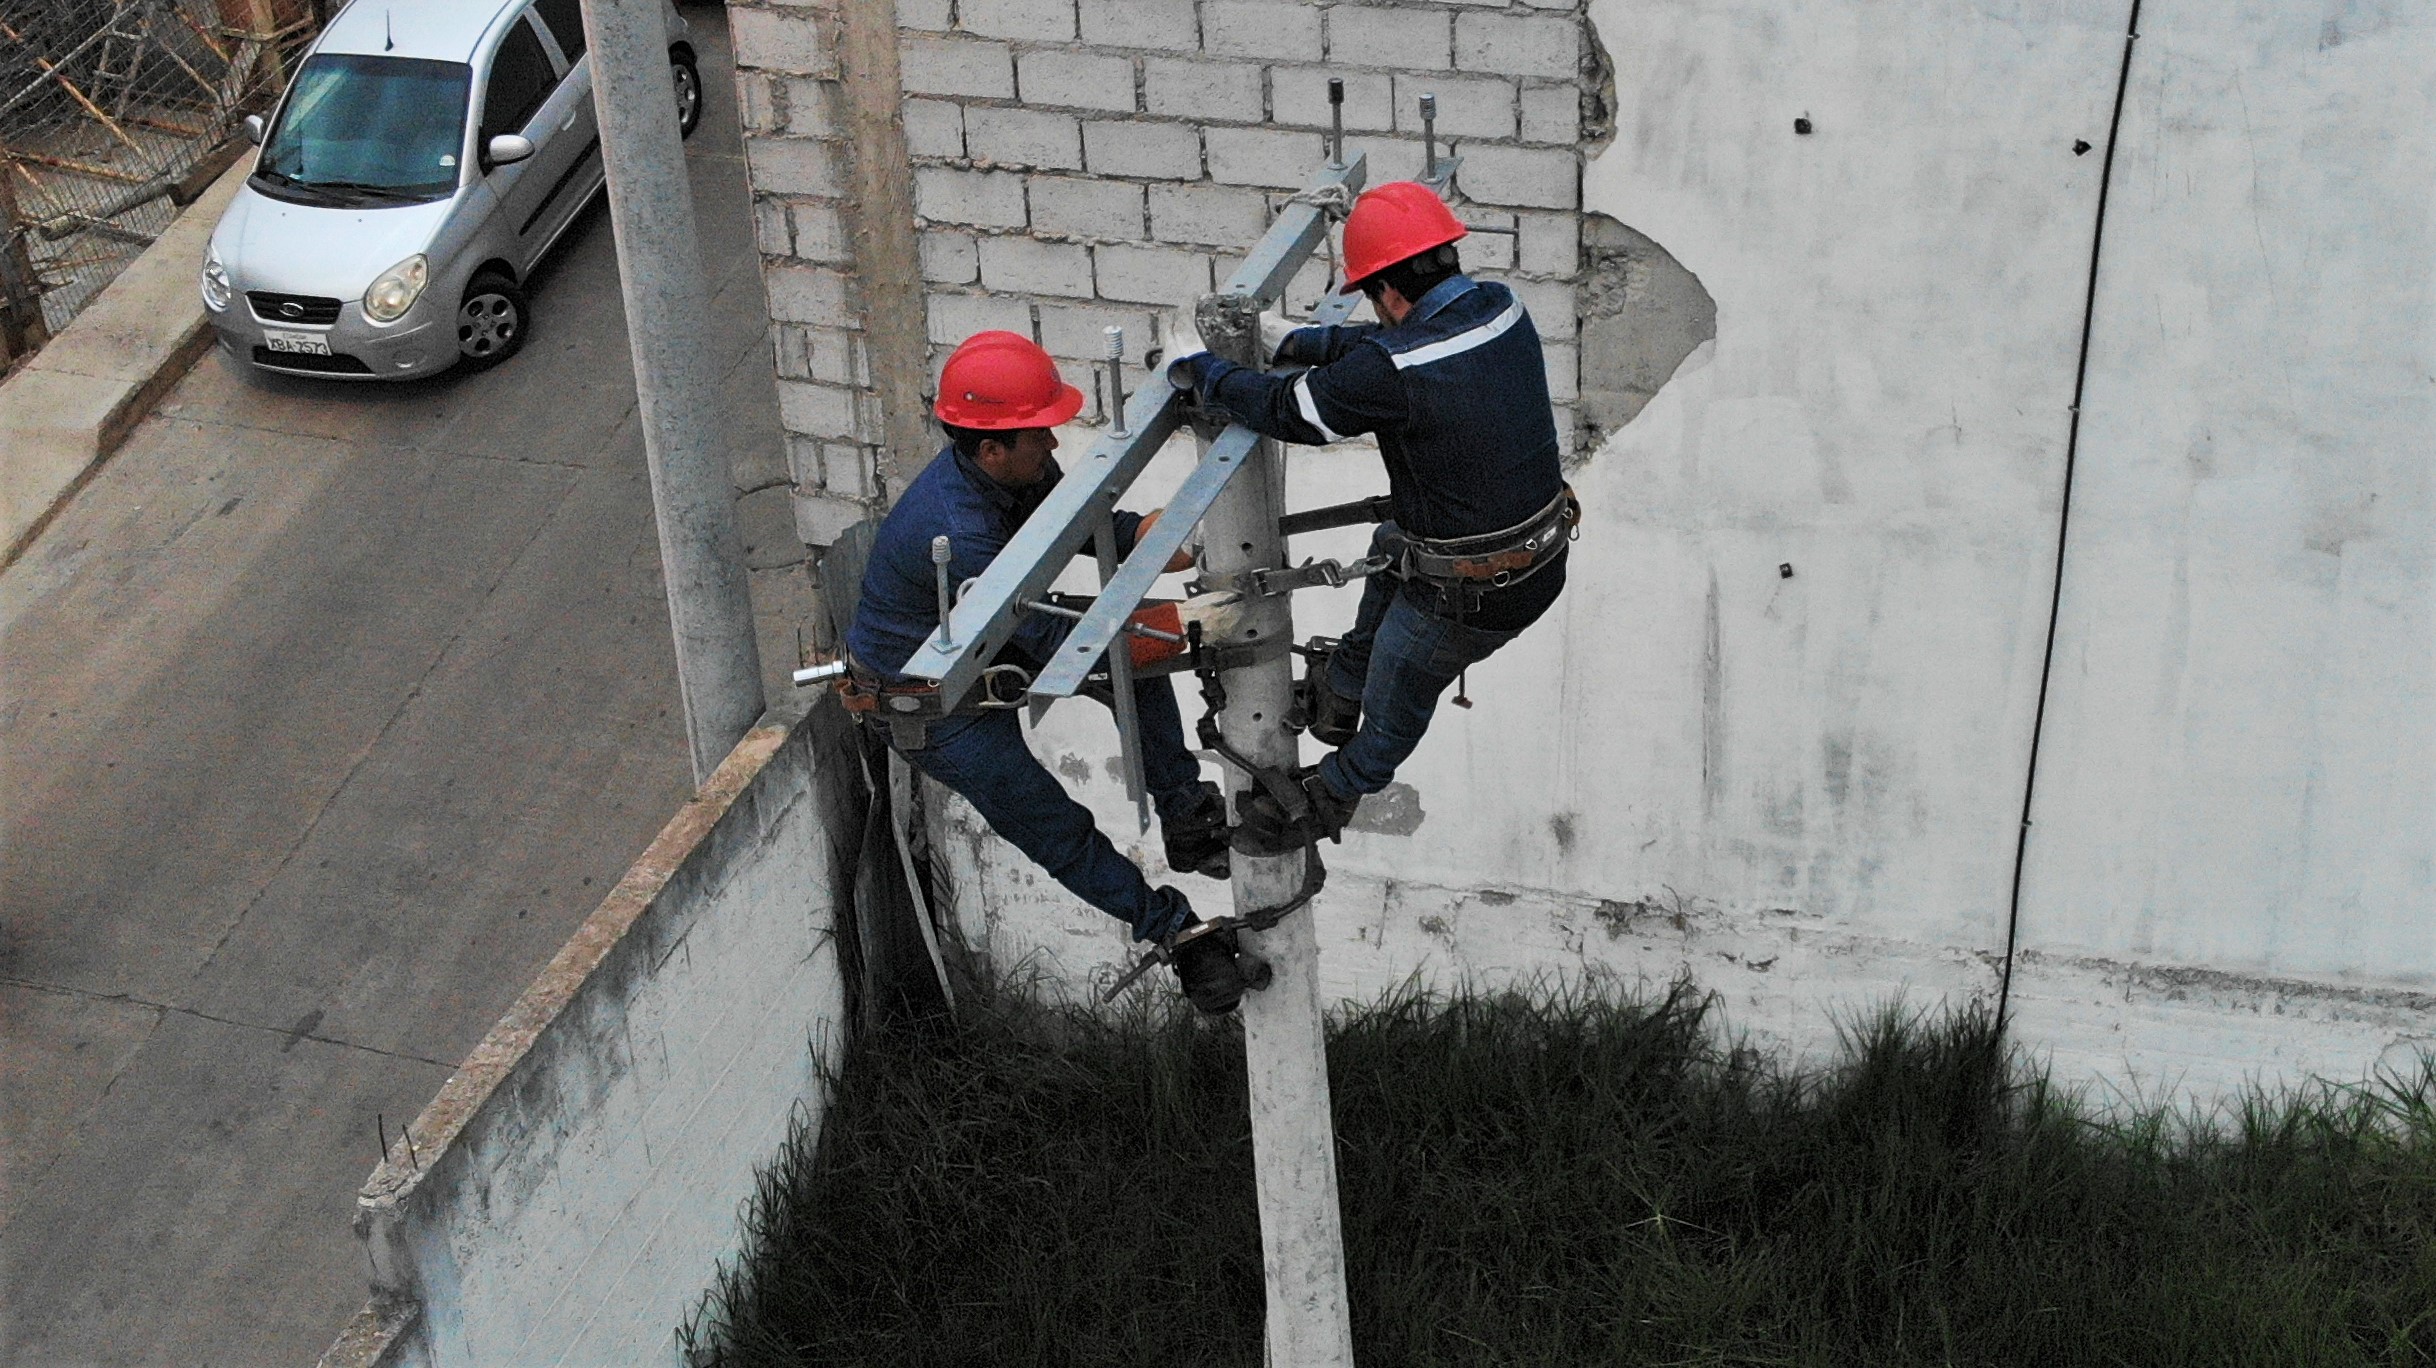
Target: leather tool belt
{"x": 1491, "y": 560}
{"x": 908, "y": 710}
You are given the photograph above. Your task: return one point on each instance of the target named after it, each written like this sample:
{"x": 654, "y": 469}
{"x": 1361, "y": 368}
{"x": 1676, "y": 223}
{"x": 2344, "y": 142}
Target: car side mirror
{"x": 253, "y": 128}
{"x": 508, "y": 148}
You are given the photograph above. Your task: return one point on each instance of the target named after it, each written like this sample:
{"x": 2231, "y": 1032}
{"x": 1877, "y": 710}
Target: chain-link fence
{"x": 113, "y": 114}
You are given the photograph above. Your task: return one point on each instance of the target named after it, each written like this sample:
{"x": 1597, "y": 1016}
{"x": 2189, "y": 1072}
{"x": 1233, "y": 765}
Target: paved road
{"x": 328, "y": 712}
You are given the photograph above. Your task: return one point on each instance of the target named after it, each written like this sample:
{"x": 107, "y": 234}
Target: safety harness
{"x": 908, "y": 710}
{"x": 1466, "y": 567}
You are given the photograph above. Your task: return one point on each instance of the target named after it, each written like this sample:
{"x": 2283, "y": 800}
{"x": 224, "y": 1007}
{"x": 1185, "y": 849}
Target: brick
{"x": 1261, "y": 28}
{"x": 988, "y": 199}
{"x": 1552, "y": 114}
{"x": 1390, "y": 158}
{"x": 1025, "y": 266}
{"x": 1564, "y": 371}
{"x": 808, "y": 294}
{"x": 1519, "y": 45}
{"x": 1468, "y": 106}
{"x": 820, "y": 231}
{"x": 1170, "y": 151}
{"x": 1550, "y": 303}
{"x": 1163, "y": 25}
{"x": 1299, "y": 95}
{"x": 815, "y": 107}
{"x": 925, "y": 14}
{"x": 1151, "y": 275}
{"x": 846, "y": 471}
{"x": 771, "y": 232}
{"x": 803, "y": 461}
{"x": 1075, "y": 331}
{"x": 933, "y": 128}
{"x": 1032, "y": 20}
{"x": 1228, "y": 91}
{"x": 1264, "y": 156}
{"x": 757, "y": 103}
{"x": 1400, "y": 38}
{"x": 1551, "y": 244}
{"x": 823, "y": 354}
{"x": 949, "y": 258}
{"x": 820, "y": 519}
{"x": 1081, "y": 207}
{"x": 955, "y": 317}
{"x": 1078, "y": 80}
{"x": 1212, "y": 215}
{"x": 950, "y": 66}
{"x": 816, "y": 410}
{"x": 799, "y": 42}
{"x": 1540, "y": 177}
{"x": 1023, "y": 137}
{"x": 1493, "y": 252}
{"x": 796, "y": 166}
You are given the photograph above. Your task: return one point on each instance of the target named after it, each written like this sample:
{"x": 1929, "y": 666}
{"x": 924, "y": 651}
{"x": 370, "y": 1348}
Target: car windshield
{"x": 368, "y": 130}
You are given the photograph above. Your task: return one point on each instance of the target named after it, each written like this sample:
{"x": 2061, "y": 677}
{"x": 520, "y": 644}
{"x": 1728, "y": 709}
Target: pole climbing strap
{"x": 1491, "y": 560}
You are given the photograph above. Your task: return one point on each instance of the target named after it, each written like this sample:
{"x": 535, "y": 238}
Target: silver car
{"x": 424, "y": 158}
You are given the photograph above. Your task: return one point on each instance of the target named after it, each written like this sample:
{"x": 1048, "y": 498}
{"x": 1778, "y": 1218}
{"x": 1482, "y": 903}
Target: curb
{"x": 68, "y": 409}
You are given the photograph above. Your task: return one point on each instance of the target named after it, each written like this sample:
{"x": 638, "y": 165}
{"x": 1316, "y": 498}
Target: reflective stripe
{"x": 1310, "y": 408}
{"x": 1461, "y": 342}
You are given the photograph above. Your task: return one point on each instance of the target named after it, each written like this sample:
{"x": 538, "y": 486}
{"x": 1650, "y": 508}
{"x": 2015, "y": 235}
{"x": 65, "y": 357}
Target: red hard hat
{"x": 1002, "y": 380}
{"x": 1392, "y": 222}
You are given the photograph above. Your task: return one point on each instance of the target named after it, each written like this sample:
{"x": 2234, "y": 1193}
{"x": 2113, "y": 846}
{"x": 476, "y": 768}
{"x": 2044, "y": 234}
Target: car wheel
{"x": 491, "y": 321}
{"x": 688, "y": 80}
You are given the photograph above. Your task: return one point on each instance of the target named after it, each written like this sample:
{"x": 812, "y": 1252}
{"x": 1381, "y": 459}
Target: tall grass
{"x": 1578, "y": 1178}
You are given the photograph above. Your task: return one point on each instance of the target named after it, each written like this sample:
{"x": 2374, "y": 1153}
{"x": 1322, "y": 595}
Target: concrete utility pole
{"x": 1285, "y": 1053}
{"x": 651, "y": 207}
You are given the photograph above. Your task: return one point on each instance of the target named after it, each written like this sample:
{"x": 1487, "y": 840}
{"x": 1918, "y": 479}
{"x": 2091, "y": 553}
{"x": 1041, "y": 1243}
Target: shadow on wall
{"x": 1641, "y": 314}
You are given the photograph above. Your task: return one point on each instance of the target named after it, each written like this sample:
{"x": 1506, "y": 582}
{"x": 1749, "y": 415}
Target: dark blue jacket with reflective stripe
{"x": 1458, "y": 396}
{"x": 899, "y": 608}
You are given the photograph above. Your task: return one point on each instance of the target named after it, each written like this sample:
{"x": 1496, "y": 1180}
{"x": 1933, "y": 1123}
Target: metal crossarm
{"x": 1124, "y": 590}
{"x": 1295, "y": 235}
{"x": 1033, "y": 558}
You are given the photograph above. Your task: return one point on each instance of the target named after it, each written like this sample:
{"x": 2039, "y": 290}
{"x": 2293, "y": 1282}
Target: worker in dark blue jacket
{"x": 1453, "y": 385}
{"x": 1000, "y": 396}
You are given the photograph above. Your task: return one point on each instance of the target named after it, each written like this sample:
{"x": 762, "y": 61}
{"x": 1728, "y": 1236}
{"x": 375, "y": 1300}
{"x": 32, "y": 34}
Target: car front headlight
{"x": 397, "y": 289}
{"x": 216, "y": 289}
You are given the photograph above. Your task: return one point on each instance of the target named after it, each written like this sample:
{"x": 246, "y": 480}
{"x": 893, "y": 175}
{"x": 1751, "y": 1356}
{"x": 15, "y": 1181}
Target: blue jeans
{"x": 1397, "y": 659}
{"x": 985, "y": 759}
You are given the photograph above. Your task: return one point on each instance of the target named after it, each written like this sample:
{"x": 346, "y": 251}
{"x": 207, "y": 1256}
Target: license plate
{"x": 311, "y": 344}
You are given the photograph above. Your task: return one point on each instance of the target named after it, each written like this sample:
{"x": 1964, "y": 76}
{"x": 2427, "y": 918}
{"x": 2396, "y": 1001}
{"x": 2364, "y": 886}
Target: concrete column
{"x": 1293, "y": 1133}
{"x": 651, "y": 206}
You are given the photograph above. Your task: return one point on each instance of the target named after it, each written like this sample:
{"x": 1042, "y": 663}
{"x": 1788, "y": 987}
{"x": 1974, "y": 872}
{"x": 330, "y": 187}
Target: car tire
{"x": 492, "y": 320}
{"x": 688, "y": 81}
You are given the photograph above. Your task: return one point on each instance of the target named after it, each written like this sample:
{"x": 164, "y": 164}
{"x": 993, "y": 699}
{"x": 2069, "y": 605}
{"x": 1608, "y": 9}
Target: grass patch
{"x": 1584, "y": 1178}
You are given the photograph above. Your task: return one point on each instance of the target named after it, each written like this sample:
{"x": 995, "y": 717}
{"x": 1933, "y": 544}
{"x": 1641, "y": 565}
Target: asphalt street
{"x": 328, "y": 711}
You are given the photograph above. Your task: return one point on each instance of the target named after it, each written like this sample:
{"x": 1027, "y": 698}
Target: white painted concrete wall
{"x": 579, "y": 1180}
{"x": 1807, "y": 791}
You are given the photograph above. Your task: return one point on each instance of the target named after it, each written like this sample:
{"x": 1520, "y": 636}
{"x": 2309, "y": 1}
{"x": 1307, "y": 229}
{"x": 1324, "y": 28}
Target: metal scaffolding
{"x": 113, "y": 114}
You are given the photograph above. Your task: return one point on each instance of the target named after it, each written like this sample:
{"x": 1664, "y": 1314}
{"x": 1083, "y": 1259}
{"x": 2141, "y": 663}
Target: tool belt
{"x": 908, "y": 710}
{"x": 1490, "y": 560}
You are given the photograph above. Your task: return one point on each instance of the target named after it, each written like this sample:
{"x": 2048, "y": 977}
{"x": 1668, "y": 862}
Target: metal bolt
{"x": 939, "y": 553}
{"x": 1115, "y": 338}
{"x": 1336, "y": 121}
{"x": 1429, "y": 137}
{"x": 1802, "y": 125}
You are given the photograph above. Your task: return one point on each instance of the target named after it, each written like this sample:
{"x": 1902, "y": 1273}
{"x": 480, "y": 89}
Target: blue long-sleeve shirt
{"x": 1457, "y": 395}
{"x": 899, "y": 606}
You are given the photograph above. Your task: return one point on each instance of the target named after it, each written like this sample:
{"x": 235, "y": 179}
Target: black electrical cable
{"x": 2063, "y": 531}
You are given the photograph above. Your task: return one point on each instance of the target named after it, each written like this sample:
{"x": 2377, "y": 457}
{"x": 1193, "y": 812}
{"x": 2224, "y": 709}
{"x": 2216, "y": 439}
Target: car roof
{"x": 439, "y": 30}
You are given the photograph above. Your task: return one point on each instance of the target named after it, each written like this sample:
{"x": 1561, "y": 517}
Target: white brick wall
{"x": 1082, "y": 162}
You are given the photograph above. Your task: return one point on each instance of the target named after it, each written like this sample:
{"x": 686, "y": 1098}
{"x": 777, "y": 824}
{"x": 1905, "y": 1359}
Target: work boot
{"x": 1334, "y": 717}
{"x": 1196, "y": 842}
{"x": 1205, "y": 967}
{"x": 1266, "y": 828}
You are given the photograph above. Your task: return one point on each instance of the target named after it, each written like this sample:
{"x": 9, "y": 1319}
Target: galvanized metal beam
{"x": 1041, "y": 549}
{"x": 1124, "y": 590}
{"x": 1295, "y": 234}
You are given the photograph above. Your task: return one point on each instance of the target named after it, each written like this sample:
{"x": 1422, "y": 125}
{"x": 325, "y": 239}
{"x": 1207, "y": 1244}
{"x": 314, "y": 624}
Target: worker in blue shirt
{"x": 1453, "y": 385}
{"x": 999, "y": 397}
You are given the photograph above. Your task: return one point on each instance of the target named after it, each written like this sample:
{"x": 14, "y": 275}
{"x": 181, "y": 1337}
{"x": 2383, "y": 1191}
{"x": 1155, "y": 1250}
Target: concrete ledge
{"x": 76, "y": 401}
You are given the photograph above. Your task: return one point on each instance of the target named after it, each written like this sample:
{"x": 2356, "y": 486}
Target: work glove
{"x": 1198, "y": 373}
{"x": 1219, "y": 614}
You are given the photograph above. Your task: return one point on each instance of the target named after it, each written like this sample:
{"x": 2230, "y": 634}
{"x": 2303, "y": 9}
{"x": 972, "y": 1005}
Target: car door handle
{"x": 572, "y": 116}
